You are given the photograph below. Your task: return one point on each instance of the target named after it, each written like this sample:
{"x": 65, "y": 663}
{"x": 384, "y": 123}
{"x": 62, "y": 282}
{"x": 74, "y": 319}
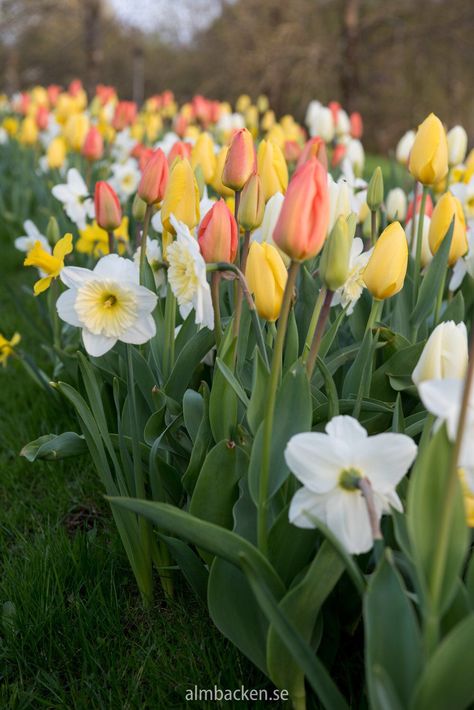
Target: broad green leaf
{"x": 223, "y": 402}
{"x": 455, "y": 310}
{"x": 356, "y": 373}
{"x": 290, "y": 548}
{"x": 233, "y": 381}
{"x": 52, "y": 447}
{"x": 290, "y": 353}
{"x": 190, "y": 565}
{"x": 201, "y": 445}
{"x": 188, "y": 359}
{"x": 193, "y": 412}
{"x": 256, "y": 407}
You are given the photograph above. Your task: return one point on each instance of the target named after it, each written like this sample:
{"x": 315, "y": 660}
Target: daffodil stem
{"x": 170, "y": 324}
{"x": 111, "y": 237}
{"x": 319, "y": 332}
{"x": 366, "y": 490}
{"x": 146, "y": 225}
{"x": 215, "y": 281}
{"x": 419, "y": 241}
{"x": 313, "y": 323}
{"x": 55, "y": 324}
{"x": 263, "y": 502}
{"x": 432, "y": 622}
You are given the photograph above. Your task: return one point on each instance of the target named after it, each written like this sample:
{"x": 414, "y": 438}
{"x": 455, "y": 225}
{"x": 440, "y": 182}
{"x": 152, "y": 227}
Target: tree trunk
{"x": 349, "y": 79}
{"x": 92, "y": 43}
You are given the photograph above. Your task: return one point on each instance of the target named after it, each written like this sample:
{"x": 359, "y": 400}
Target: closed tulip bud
{"x": 152, "y": 186}
{"x": 76, "y": 130}
{"x": 404, "y": 146}
{"x": 203, "y": 154}
{"x": 303, "y": 222}
{"x": 445, "y": 354}
{"x": 138, "y": 208}
{"x": 457, "y": 145}
{"x": 217, "y": 235}
{"x": 266, "y": 276}
{"x": 56, "y": 153}
{"x": 240, "y": 160}
{"x": 180, "y": 149}
{"x": 429, "y": 156}
{"x": 93, "y": 148}
{"x": 108, "y": 212}
{"x": 42, "y": 118}
{"x": 314, "y": 147}
{"x": 272, "y": 169}
{"x": 396, "y": 204}
{"x": 375, "y": 190}
{"x": 447, "y": 209}
{"x": 386, "y": 269}
{"x": 357, "y": 126}
{"x": 334, "y": 264}
{"x": 262, "y": 103}
{"x": 252, "y": 204}
{"x": 28, "y": 131}
{"x": 216, "y": 182}
{"x": 181, "y": 197}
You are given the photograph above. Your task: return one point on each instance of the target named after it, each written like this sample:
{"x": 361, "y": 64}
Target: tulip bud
{"x": 457, "y": 145}
{"x": 334, "y": 264}
{"x": 429, "y": 156}
{"x": 447, "y": 208}
{"x": 396, "y": 204}
{"x": 179, "y": 149}
{"x": 262, "y": 103}
{"x": 181, "y": 197}
{"x": 317, "y": 147}
{"x": 203, "y": 154}
{"x": 53, "y": 234}
{"x": 385, "y": 272}
{"x": 138, "y": 208}
{"x": 216, "y": 182}
{"x": 217, "y": 235}
{"x": 272, "y": 169}
{"x": 266, "y": 276}
{"x": 445, "y": 354}
{"x": 75, "y": 130}
{"x": 152, "y": 186}
{"x": 357, "y": 126}
{"x": 252, "y": 204}
{"x": 240, "y": 160}
{"x": 404, "y": 146}
{"x": 108, "y": 212}
{"x": 93, "y": 147}
{"x": 303, "y": 222}
{"x": 375, "y": 190}
{"x": 56, "y": 153}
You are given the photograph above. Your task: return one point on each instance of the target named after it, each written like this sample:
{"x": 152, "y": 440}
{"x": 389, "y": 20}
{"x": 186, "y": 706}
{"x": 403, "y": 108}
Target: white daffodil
{"x": 155, "y": 259}
{"x": 167, "y": 142}
{"x": 27, "y": 241}
{"x": 125, "y": 178}
{"x": 464, "y": 265}
{"x": 123, "y": 145}
{"x": 351, "y": 291}
{"x": 108, "y": 303}
{"x": 75, "y": 197}
{"x": 187, "y": 276}
{"x": 330, "y": 467}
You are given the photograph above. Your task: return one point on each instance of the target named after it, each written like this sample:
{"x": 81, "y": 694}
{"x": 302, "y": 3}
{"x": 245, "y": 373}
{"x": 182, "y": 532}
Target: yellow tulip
{"x": 56, "y": 153}
{"x": 268, "y": 120}
{"x": 448, "y": 207}
{"x": 262, "y": 103}
{"x": 242, "y": 103}
{"x": 429, "y": 155}
{"x": 266, "y": 276}
{"x": 10, "y": 124}
{"x": 272, "y": 169}
{"x": 75, "y": 130}
{"x": 203, "y": 154}
{"x": 28, "y": 131}
{"x": 386, "y": 269}
{"x": 276, "y": 134}
{"x": 216, "y": 182}
{"x": 181, "y": 196}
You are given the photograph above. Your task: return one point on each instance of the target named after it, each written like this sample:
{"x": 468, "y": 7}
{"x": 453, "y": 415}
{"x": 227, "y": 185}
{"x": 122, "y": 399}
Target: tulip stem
{"x": 375, "y": 313}
{"x": 313, "y": 323}
{"x": 413, "y": 220}
{"x": 373, "y": 226}
{"x": 170, "y": 324}
{"x": 245, "y": 251}
{"x": 319, "y": 332}
{"x": 243, "y": 265}
{"x": 263, "y": 502}
{"x": 111, "y": 237}
{"x": 215, "y": 281}
{"x": 419, "y": 242}
{"x": 146, "y": 225}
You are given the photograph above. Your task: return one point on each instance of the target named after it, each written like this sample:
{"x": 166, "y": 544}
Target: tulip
{"x": 356, "y": 155}
{"x": 181, "y": 197}
{"x": 152, "y": 186}
{"x": 272, "y": 169}
{"x": 375, "y": 190}
{"x": 203, "y": 154}
{"x": 242, "y": 103}
{"x": 292, "y": 151}
{"x": 266, "y": 276}
{"x": 404, "y": 146}
{"x": 321, "y": 123}
{"x": 108, "y": 212}
{"x": 28, "y": 131}
{"x": 216, "y": 182}
{"x": 42, "y": 118}
{"x": 217, "y": 235}
{"x": 357, "y": 126}
{"x": 334, "y": 264}
{"x": 138, "y": 208}
{"x": 317, "y": 147}
{"x": 93, "y": 148}
{"x": 428, "y": 206}
{"x": 385, "y": 272}
{"x": 179, "y": 149}
{"x": 56, "y": 153}
{"x": 303, "y": 222}
{"x": 240, "y": 160}
{"x": 445, "y": 354}
{"x": 429, "y": 156}
{"x": 396, "y": 205}
{"x": 457, "y": 145}
{"x": 252, "y": 204}
{"x": 75, "y": 130}
{"x": 447, "y": 208}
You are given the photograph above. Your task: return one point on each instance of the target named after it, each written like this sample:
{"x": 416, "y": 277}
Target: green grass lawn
{"x": 73, "y": 633}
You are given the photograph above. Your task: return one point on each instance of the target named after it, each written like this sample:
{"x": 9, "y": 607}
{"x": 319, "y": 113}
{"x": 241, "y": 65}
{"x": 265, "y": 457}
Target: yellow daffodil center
{"x": 349, "y": 479}
{"x": 182, "y": 273}
{"x": 106, "y": 308}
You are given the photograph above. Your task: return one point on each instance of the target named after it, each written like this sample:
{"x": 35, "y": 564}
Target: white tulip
{"x": 426, "y": 255}
{"x": 444, "y": 355}
{"x": 457, "y": 145}
{"x": 355, "y": 153}
{"x": 396, "y": 204}
{"x": 322, "y": 123}
{"x": 403, "y": 149}
{"x": 343, "y": 124}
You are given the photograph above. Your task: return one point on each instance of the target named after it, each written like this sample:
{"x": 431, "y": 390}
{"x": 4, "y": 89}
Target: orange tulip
{"x": 240, "y": 160}
{"x": 217, "y": 234}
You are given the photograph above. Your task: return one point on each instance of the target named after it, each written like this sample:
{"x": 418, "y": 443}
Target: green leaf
{"x": 290, "y": 548}
{"x": 455, "y": 310}
{"x": 188, "y": 359}
{"x": 331, "y": 390}
{"x": 201, "y": 445}
{"x": 52, "y": 447}
{"x": 193, "y": 412}
{"x": 233, "y": 381}
{"x": 290, "y": 353}
{"x": 223, "y": 402}
{"x": 190, "y": 565}
{"x": 256, "y": 407}
{"x": 356, "y": 373}
{"x": 448, "y": 680}
{"x": 392, "y": 637}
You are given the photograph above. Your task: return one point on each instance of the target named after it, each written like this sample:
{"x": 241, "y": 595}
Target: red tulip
{"x": 217, "y": 235}
{"x": 93, "y": 147}
{"x": 154, "y": 178}
{"x": 108, "y": 212}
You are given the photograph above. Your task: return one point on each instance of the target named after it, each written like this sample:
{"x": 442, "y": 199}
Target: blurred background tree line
{"x": 392, "y": 60}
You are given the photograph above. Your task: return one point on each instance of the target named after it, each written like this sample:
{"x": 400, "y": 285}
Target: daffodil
{"x": 32, "y": 235}
{"x": 75, "y": 197}
{"x": 350, "y": 292}
{"x": 108, "y": 304}
{"x": 155, "y": 259}
{"x": 125, "y": 178}
{"x": 330, "y": 467}
{"x": 49, "y": 264}
{"x": 94, "y": 240}
{"x": 7, "y": 347}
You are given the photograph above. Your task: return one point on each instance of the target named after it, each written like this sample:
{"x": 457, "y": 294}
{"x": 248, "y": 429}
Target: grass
{"x": 73, "y": 633}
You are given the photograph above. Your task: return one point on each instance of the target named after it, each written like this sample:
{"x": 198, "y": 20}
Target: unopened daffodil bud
{"x": 56, "y": 153}
{"x": 334, "y": 264}
{"x": 217, "y": 235}
{"x": 266, "y": 276}
{"x": 375, "y": 190}
{"x": 445, "y": 354}
{"x": 216, "y": 182}
{"x": 240, "y": 160}
{"x": 181, "y": 197}
{"x": 429, "y": 156}
{"x": 457, "y": 145}
{"x": 386, "y": 269}
{"x": 52, "y": 231}
{"x": 203, "y": 154}
{"x": 272, "y": 169}
{"x": 252, "y": 204}
{"x": 396, "y": 204}
{"x": 448, "y": 208}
